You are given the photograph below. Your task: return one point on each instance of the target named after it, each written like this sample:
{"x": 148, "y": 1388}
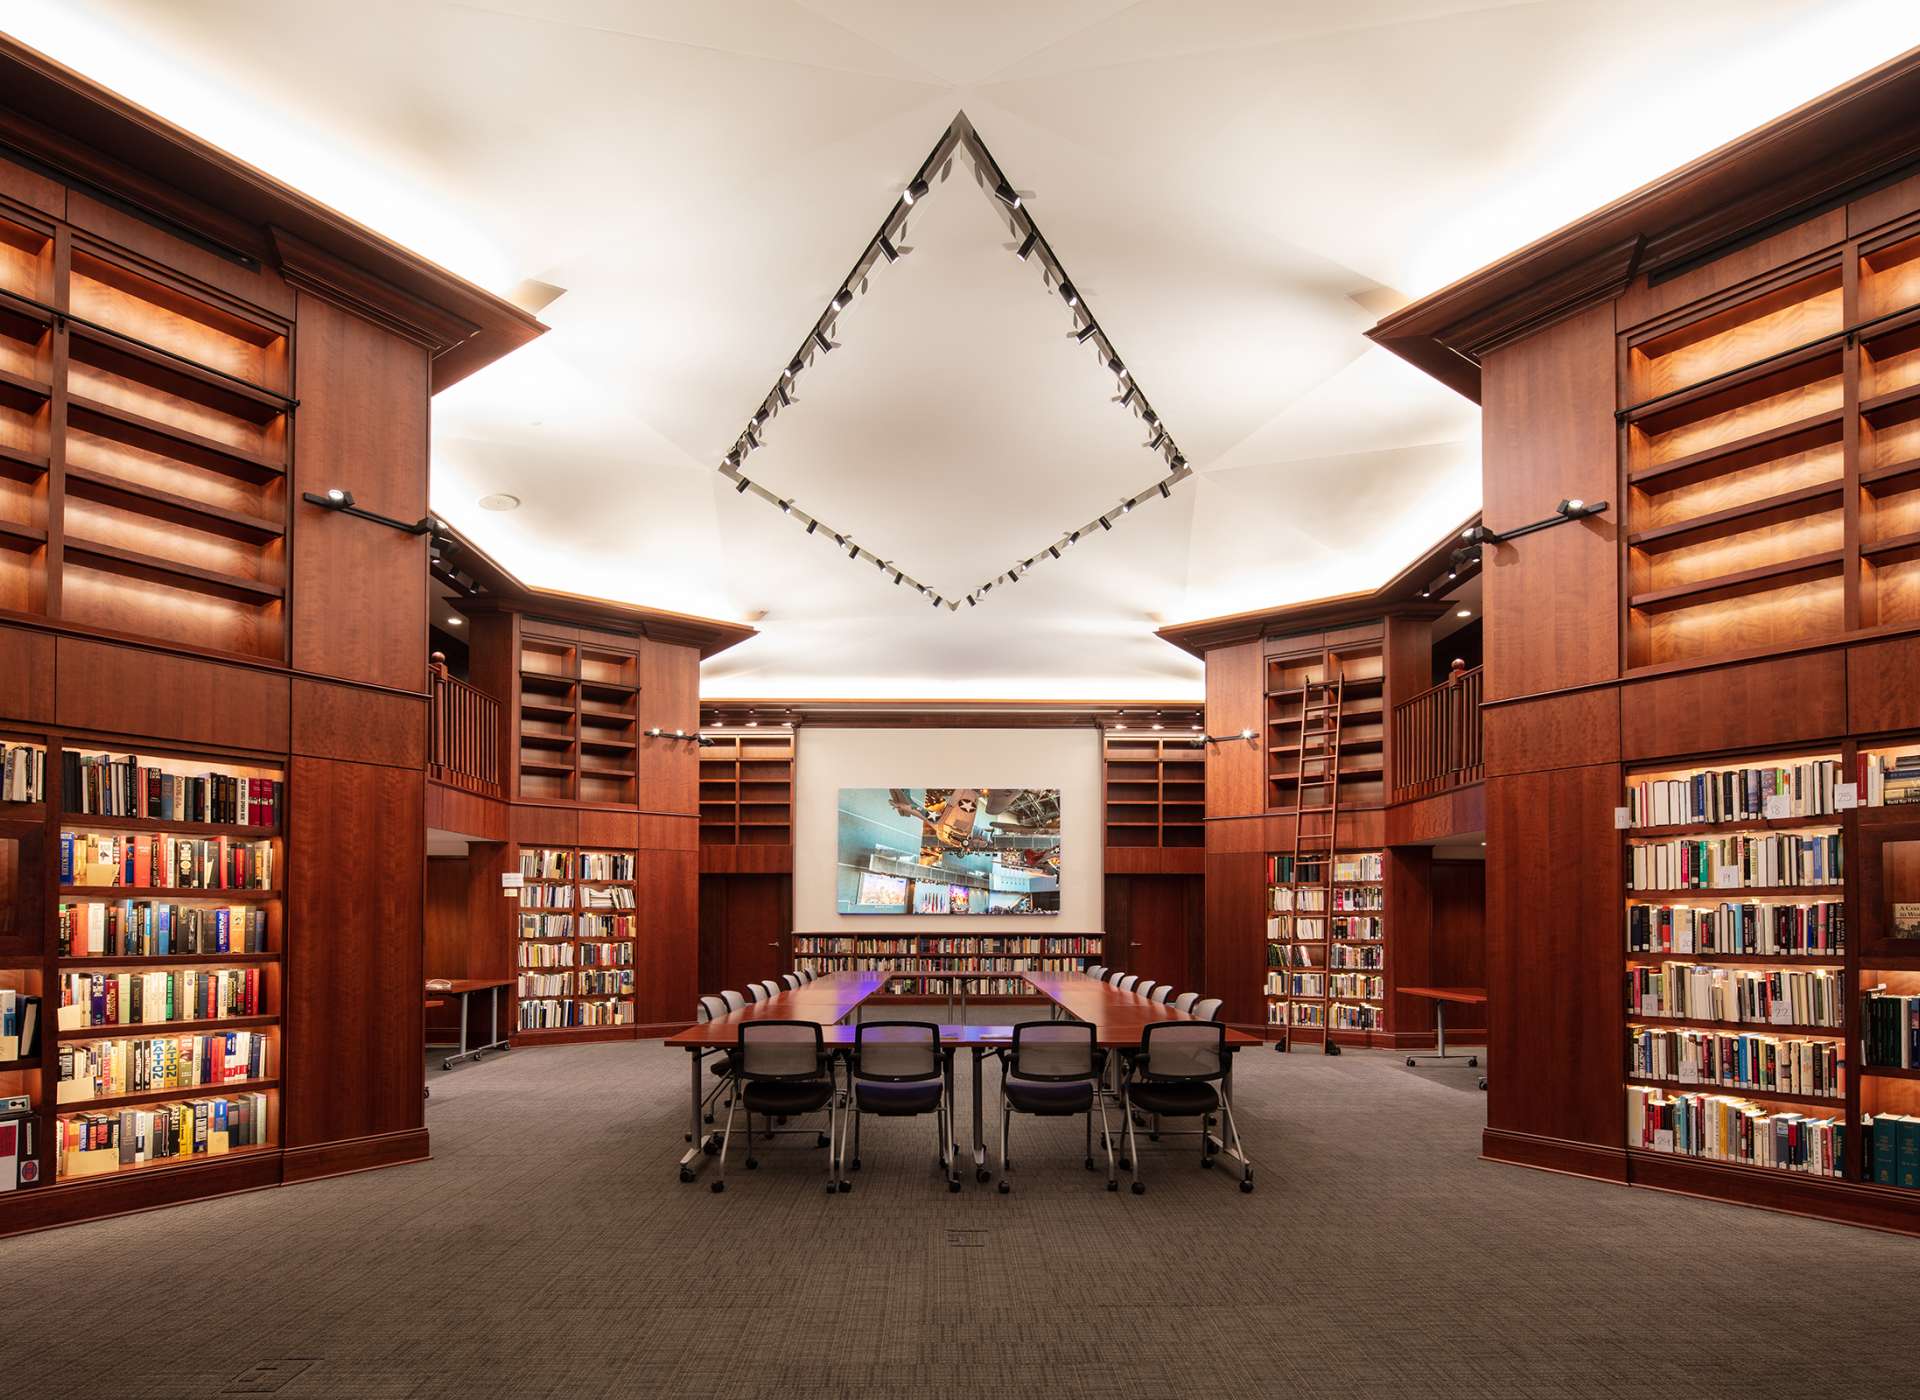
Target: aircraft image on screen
{"x": 949, "y": 851}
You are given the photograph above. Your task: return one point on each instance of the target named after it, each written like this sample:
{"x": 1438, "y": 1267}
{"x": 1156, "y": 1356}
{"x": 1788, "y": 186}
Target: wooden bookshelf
{"x": 576, "y": 943}
{"x": 998, "y": 958}
{"x": 1326, "y": 947}
{"x": 1155, "y": 783}
{"x": 1325, "y": 733}
{"x": 746, "y": 787}
{"x": 577, "y": 720}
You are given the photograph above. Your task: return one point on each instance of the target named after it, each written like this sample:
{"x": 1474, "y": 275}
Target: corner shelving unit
{"x": 1156, "y": 789}
{"x": 746, "y": 787}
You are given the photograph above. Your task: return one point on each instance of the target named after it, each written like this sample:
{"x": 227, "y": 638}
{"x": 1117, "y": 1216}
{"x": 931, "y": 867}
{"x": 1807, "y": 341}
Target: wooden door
{"x": 1152, "y": 927}
{"x": 744, "y": 923}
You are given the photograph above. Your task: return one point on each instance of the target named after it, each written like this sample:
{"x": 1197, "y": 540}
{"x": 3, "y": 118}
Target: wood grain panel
{"x": 1241, "y": 834}
{"x": 745, "y": 921}
{"x": 1641, "y": 303}
{"x": 261, "y": 286}
{"x": 1555, "y": 731}
{"x": 1458, "y": 889}
{"x": 1551, "y": 599}
{"x": 1360, "y": 829}
{"x": 604, "y": 828}
{"x": 667, "y": 958}
{"x": 122, "y": 690}
{"x": 356, "y": 858}
{"x": 366, "y": 726}
{"x": 469, "y": 920}
{"x": 32, "y": 189}
{"x": 1884, "y": 205}
{"x": 1154, "y": 860}
{"x": 746, "y": 860}
{"x": 1553, "y": 897}
{"x": 26, "y": 676}
{"x": 672, "y": 833}
{"x": 1233, "y": 960}
{"x": 1456, "y": 813}
{"x": 1153, "y": 927}
{"x": 669, "y": 769}
{"x": 1883, "y": 686}
{"x": 545, "y": 826}
{"x": 1236, "y": 771}
{"x": 359, "y": 589}
{"x": 465, "y": 813}
{"x": 1785, "y": 700}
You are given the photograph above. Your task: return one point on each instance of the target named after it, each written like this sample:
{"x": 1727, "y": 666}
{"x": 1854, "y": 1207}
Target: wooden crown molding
{"x": 68, "y": 123}
{"x": 852, "y": 713}
{"x": 1399, "y": 596}
{"x": 1814, "y": 157}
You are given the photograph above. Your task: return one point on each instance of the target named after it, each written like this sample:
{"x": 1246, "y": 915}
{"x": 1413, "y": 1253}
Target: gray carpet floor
{"x": 548, "y": 1250}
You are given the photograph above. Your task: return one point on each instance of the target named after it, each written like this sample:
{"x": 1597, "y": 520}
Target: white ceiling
{"x": 1237, "y": 187}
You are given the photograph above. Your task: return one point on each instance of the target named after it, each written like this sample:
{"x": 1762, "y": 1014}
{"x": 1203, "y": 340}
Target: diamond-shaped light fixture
{"x": 887, "y": 247}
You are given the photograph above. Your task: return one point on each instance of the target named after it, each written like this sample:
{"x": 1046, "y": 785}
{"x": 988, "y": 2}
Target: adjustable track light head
{"x": 1007, "y": 195}
{"x": 1086, "y": 332}
{"x": 1105, "y": 524}
{"x": 1027, "y": 246}
{"x": 740, "y": 487}
{"x": 842, "y": 299}
{"x": 336, "y": 498}
{"x": 820, "y": 338}
{"x": 1068, "y": 294}
{"x": 916, "y": 190}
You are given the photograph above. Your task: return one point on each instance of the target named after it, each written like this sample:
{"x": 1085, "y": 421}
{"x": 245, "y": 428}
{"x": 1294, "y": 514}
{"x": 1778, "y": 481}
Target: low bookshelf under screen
{"x": 165, "y": 964}
{"x": 575, "y": 944}
{"x": 997, "y": 959}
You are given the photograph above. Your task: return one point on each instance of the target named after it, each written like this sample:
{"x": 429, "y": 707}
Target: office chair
{"x": 1180, "y": 1072}
{"x": 1052, "y": 1070}
{"x": 782, "y": 1070}
{"x": 1163, "y": 993}
{"x": 1185, "y": 1001}
{"x": 806, "y": 974}
{"x": 733, "y": 1000}
{"x": 755, "y": 993}
{"x": 1208, "y": 1010}
{"x": 1145, "y": 989}
{"x": 897, "y": 1070}
{"x": 771, "y": 988}
{"x": 708, "y": 1009}
{"x": 1125, "y": 984}
{"x": 792, "y": 979}
{"x": 1112, "y": 976}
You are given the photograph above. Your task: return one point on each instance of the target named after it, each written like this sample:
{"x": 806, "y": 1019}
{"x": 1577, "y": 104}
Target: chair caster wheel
{"x": 833, "y": 1188}
{"x": 686, "y": 1173}
{"x": 718, "y": 1187}
{"x": 1279, "y": 1047}
{"x": 1113, "y": 1186}
{"x": 711, "y": 1147}
{"x": 845, "y": 1187}
{"x": 1006, "y": 1188}
{"x": 822, "y": 1140}
{"x": 753, "y": 1164}
{"x": 1332, "y": 1048}
{"x": 854, "y": 1165}
{"x": 982, "y": 1175}
{"x": 953, "y": 1187}
{"x": 1246, "y": 1188}
{"x": 1126, "y": 1164}
{"x": 1139, "y": 1188}
{"x": 1206, "y": 1163}
{"x": 1483, "y": 1083}
{"x": 1153, "y": 1137}
{"x": 1089, "y": 1164}
{"x": 1473, "y": 1062}
{"x": 1411, "y": 1061}
{"x": 707, "y": 1119}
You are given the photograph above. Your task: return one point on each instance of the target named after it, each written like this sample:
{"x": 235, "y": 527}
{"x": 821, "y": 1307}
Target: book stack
{"x": 1728, "y": 1129}
{"x": 1737, "y": 862}
{"x": 1364, "y": 867}
{"x": 1348, "y": 1017}
{"x": 1748, "y": 929}
{"x": 144, "y": 929}
{"x": 1808, "y": 1068}
{"x": 606, "y": 982}
{"x": 104, "y": 1069}
{"x": 19, "y": 1025}
{"x": 1890, "y": 1031}
{"x": 1346, "y": 955}
{"x": 537, "y": 954}
{"x": 1354, "y": 986}
{"x": 605, "y": 865}
{"x": 555, "y": 984}
{"x": 107, "y": 786}
{"x": 94, "y": 1143}
{"x": 546, "y": 925}
{"x": 546, "y": 865}
{"x": 148, "y": 998}
{"x": 1888, "y": 781}
{"x": 1893, "y": 1149}
{"x": 23, "y": 773}
{"x": 1359, "y": 897}
{"x": 1357, "y": 929}
{"x": 547, "y": 897}
{"x": 1804, "y": 789}
{"x": 165, "y": 862}
{"x": 560, "y": 1014}
{"x": 1703, "y": 992}
{"x": 606, "y": 897}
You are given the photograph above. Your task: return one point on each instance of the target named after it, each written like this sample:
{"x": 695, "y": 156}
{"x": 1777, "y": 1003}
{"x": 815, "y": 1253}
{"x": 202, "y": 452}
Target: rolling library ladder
{"x": 1318, "y": 814}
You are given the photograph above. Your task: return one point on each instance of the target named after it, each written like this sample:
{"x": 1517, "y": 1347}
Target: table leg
{"x": 980, "y": 1172}
{"x": 1440, "y": 1028}
{"x": 696, "y": 1151}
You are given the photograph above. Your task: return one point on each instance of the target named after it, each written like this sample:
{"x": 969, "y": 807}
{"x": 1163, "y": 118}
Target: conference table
{"x": 1118, "y": 1018}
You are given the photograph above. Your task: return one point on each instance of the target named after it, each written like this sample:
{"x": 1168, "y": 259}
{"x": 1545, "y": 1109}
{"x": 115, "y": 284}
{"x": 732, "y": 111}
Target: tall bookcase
{"x": 1156, "y": 787}
{"x": 746, "y": 787}
{"x": 576, "y": 941}
{"x": 1326, "y": 944}
{"x": 577, "y": 720}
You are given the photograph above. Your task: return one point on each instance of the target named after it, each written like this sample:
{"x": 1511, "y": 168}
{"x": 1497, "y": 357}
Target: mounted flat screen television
{"x": 949, "y": 851}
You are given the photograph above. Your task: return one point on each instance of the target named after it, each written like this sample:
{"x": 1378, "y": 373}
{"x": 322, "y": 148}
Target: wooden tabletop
{"x": 1120, "y": 1016}
{"x": 467, "y": 984}
{"x": 823, "y": 1001}
{"x": 1472, "y": 996}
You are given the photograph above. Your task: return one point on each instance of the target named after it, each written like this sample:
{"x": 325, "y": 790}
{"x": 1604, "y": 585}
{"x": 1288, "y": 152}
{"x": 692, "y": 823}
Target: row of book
{"x": 105, "y": 1069}
{"x": 19, "y": 1025}
{"x": 103, "y": 785}
{"x": 23, "y": 773}
{"x": 975, "y": 987}
{"x": 1892, "y": 1146}
{"x": 1368, "y": 866}
{"x": 605, "y": 926}
{"x": 1737, "y": 1061}
{"x": 1767, "y": 996}
{"x": 1889, "y": 782}
{"x": 1305, "y": 1013}
{"x": 1358, "y": 898}
{"x": 1728, "y": 1129}
{"x": 589, "y": 982}
{"x": 546, "y": 897}
{"x": 606, "y": 865}
{"x": 1307, "y": 928}
{"x": 159, "y": 861}
{"x": 150, "y": 998}
{"x": 1296, "y": 984}
{"x": 1356, "y": 986}
{"x": 1761, "y": 793}
{"x": 1348, "y": 1017}
{"x": 1350, "y": 955}
{"x": 1772, "y": 930}
{"x": 1890, "y": 1031}
{"x": 561, "y": 1013}
{"x": 1283, "y": 899}
{"x": 93, "y": 1143}
{"x": 145, "y": 929}
{"x": 991, "y": 962}
{"x": 844, "y": 945}
{"x": 1736, "y": 862}
{"x": 1358, "y": 929}
{"x": 1293, "y": 955}
{"x": 606, "y": 897}
{"x": 546, "y": 925}
{"x": 540, "y": 864}
{"x": 1286, "y": 870}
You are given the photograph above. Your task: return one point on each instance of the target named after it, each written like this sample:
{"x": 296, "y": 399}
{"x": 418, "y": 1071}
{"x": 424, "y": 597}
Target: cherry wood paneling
{"x": 26, "y": 674}
{"x": 32, "y": 189}
{"x": 1555, "y": 731}
{"x": 1458, "y": 890}
{"x": 1883, "y": 205}
{"x": 746, "y": 860}
{"x": 366, "y": 726}
{"x": 1234, "y": 946}
{"x": 745, "y": 921}
{"x": 1454, "y": 813}
{"x": 669, "y": 769}
{"x": 1883, "y": 686}
{"x": 669, "y": 833}
{"x": 1553, "y": 943}
{"x": 1236, "y": 770}
{"x": 1155, "y": 860}
{"x": 1153, "y": 928}
{"x": 1240, "y": 834}
{"x": 667, "y": 920}
{"x": 465, "y": 813}
{"x": 602, "y": 828}
{"x": 356, "y": 858}
{"x": 1407, "y": 872}
{"x": 359, "y": 589}
{"x": 123, "y": 690}
{"x": 469, "y": 919}
{"x": 260, "y": 286}
{"x": 545, "y": 826}
{"x": 1551, "y": 599}
{"x": 1786, "y": 700}
{"x": 1641, "y": 303}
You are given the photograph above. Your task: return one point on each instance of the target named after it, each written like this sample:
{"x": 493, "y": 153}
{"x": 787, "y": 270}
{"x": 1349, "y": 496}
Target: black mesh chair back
{"x": 896, "y": 1051}
{"x": 1208, "y": 1009}
{"x": 781, "y": 1050}
{"x": 1191, "y": 1050}
{"x": 1053, "y": 1050}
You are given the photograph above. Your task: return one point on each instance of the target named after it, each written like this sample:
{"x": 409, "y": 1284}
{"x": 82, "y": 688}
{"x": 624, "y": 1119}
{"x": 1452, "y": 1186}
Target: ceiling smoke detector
{"x": 499, "y": 500}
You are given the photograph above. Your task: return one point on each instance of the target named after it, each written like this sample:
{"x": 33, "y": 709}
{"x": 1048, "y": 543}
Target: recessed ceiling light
{"x": 499, "y": 500}
{"x": 453, "y": 622}
{"x": 1159, "y": 726}
{"x": 1119, "y": 726}
{"x": 753, "y": 724}
{"x": 1464, "y": 612}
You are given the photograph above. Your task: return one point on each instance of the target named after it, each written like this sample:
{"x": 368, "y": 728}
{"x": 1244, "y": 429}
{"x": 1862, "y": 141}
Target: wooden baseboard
{"x": 1555, "y": 1155}
{"x": 355, "y": 1155}
{"x": 1788, "y": 1193}
{"x": 151, "y": 1188}
{"x": 576, "y": 1035}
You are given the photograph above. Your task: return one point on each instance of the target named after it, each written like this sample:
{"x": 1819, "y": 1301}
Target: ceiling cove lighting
{"x": 887, "y": 247}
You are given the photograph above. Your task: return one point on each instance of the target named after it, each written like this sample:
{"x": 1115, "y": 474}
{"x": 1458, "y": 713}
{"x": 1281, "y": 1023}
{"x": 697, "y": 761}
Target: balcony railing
{"x": 463, "y": 733}
{"x": 1436, "y": 738}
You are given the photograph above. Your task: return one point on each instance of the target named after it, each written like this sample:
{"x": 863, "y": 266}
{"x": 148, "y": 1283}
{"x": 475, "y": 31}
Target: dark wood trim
{"x": 355, "y": 1155}
{"x": 1554, "y": 1154}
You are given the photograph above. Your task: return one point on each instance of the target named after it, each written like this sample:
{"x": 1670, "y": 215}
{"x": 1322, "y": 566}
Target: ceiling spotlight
{"x": 793, "y": 369}
{"x": 499, "y": 500}
{"x": 1007, "y": 195}
{"x": 1068, "y": 294}
{"x": 1113, "y": 363}
{"x": 1127, "y": 397}
{"x": 973, "y": 600}
{"x": 1158, "y": 725}
{"x": 937, "y": 600}
{"x": 1026, "y": 247}
{"x": 914, "y": 191}
{"x": 1105, "y": 524}
{"x": 1126, "y": 506}
{"x": 896, "y": 578}
{"x": 1054, "y": 550}
{"x": 1246, "y": 734}
{"x": 881, "y": 565}
{"x": 1159, "y": 436}
{"x": 1119, "y": 726}
{"x": 1195, "y": 728}
{"x": 338, "y": 499}
{"x": 1073, "y": 537}
{"x": 1165, "y": 491}
{"x": 786, "y": 506}
{"x": 752, "y": 434}
{"x": 1452, "y": 574}
{"x": 1425, "y": 593}
{"x": 718, "y": 724}
{"x": 891, "y": 253}
{"x": 453, "y": 622}
{"x": 1086, "y": 332}
{"x": 753, "y": 724}
{"x": 733, "y": 458}
{"x": 842, "y": 299}
{"x": 820, "y": 339}
{"x": 786, "y": 398}
{"x": 853, "y": 551}
{"x": 1178, "y": 461}
{"x": 742, "y": 487}
{"x": 812, "y": 525}
{"x": 1464, "y": 612}
{"x": 1569, "y": 506}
